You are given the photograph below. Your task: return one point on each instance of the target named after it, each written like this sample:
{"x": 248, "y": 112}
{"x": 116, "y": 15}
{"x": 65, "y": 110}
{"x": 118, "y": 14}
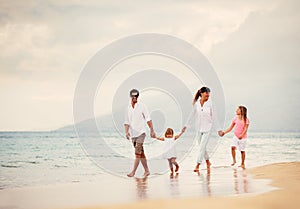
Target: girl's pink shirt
{"x": 239, "y": 126}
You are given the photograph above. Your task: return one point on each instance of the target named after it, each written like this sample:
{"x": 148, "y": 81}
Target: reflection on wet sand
{"x": 216, "y": 181}
{"x": 240, "y": 177}
{"x": 174, "y": 185}
{"x": 205, "y": 179}
{"x": 141, "y": 188}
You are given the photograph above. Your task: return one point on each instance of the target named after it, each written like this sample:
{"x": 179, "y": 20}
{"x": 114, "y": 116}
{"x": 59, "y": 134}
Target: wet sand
{"x": 284, "y": 176}
{"x": 222, "y": 187}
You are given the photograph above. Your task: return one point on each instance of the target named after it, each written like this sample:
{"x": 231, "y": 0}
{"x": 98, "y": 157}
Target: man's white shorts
{"x": 239, "y": 144}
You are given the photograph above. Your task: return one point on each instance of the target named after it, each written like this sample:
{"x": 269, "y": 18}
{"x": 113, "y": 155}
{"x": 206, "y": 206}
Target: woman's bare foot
{"x": 130, "y": 174}
{"x": 197, "y": 167}
{"x": 234, "y": 162}
{"x": 177, "y": 168}
{"x": 147, "y": 173}
{"x": 242, "y": 166}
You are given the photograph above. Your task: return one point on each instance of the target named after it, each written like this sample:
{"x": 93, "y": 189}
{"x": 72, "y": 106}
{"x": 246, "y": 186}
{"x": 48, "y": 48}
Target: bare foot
{"x": 130, "y": 174}
{"x": 197, "y": 167}
{"x": 177, "y": 168}
{"x": 147, "y": 173}
{"x": 232, "y": 164}
{"x": 242, "y": 166}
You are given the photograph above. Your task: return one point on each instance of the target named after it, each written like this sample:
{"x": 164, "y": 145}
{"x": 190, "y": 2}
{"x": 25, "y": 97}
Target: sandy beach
{"x": 284, "y": 176}
{"x": 269, "y": 186}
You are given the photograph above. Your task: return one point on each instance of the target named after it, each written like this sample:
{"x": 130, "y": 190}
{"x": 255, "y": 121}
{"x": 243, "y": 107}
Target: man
{"x": 137, "y": 114}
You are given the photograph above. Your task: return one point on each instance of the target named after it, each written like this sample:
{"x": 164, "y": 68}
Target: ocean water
{"x": 29, "y": 159}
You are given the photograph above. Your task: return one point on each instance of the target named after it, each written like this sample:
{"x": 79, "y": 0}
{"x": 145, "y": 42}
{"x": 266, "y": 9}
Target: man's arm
{"x": 126, "y": 124}
{"x": 152, "y": 133}
{"x": 149, "y": 121}
{"x": 127, "y": 131}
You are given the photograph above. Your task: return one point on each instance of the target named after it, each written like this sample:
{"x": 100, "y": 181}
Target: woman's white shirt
{"x": 204, "y": 117}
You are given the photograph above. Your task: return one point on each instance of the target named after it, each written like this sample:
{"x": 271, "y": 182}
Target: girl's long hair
{"x": 243, "y": 110}
{"x": 199, "y": 92}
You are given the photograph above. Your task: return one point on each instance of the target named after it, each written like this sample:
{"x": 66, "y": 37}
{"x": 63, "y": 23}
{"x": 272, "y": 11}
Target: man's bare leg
{"x": 145, "y": 165}
{"x": 135, "y": 166}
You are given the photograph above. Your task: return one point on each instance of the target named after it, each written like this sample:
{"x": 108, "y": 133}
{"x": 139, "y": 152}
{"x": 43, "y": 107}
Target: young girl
{"x": 240, "y": 124}
{"x": 170, "y": 152}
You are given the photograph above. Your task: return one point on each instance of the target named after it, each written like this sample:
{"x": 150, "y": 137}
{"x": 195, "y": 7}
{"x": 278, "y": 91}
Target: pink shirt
{"x": 239, "y": 127}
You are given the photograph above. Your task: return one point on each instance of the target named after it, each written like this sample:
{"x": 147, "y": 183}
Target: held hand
{"x": 152, "y": 134}
{"x": 240, "y": 137}
{"x": 128, "y": 135}
{"x": 221, "y": 133}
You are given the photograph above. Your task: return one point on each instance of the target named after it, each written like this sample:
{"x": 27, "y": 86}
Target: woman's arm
{"x": 244, "y": 132}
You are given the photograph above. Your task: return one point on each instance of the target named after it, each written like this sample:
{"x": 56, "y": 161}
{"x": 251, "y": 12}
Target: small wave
{"x": 10, "y": 166}
{"x": 31, "y": 162}
{"x": 60, "y": 166}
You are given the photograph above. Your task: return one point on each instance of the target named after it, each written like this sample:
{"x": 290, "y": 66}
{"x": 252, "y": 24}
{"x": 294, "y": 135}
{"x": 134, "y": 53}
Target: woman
{"x": 204, "y": 115}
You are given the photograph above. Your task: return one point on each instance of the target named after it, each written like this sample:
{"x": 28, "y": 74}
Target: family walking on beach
{"x": 203, "y": 114}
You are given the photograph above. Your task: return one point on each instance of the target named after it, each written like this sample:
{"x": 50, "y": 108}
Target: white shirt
{"x": 136, "y": 117}
{"x": 204, "y": 117}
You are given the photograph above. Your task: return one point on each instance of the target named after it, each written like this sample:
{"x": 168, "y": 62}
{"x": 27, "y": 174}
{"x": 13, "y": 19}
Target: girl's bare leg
{"x": 170, "y": 165}
{"x": 233, "y": 156}
{"x": 243, "y": 154}
{"x": 176, "y": 164}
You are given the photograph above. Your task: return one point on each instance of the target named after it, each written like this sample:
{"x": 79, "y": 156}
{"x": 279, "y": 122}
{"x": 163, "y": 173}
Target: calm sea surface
{"x": 41, "y": 158}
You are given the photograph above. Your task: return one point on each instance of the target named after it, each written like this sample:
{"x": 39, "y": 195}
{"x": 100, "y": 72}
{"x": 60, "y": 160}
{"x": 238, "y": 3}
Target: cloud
{"x": 259, "y": 66}
{"x": 48, "y": 42}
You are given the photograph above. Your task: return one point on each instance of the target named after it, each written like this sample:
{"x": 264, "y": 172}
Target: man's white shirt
{"x": 136, "y": 117}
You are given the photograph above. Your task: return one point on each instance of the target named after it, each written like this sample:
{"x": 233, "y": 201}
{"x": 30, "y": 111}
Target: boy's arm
{"x": 244, "y": 132}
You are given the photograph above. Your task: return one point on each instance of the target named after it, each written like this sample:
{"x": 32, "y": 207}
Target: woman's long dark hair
{"x": 199, "y": 92}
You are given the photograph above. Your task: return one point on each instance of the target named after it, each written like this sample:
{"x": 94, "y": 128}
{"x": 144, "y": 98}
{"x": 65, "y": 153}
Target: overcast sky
{"x": 253, "y": 46}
